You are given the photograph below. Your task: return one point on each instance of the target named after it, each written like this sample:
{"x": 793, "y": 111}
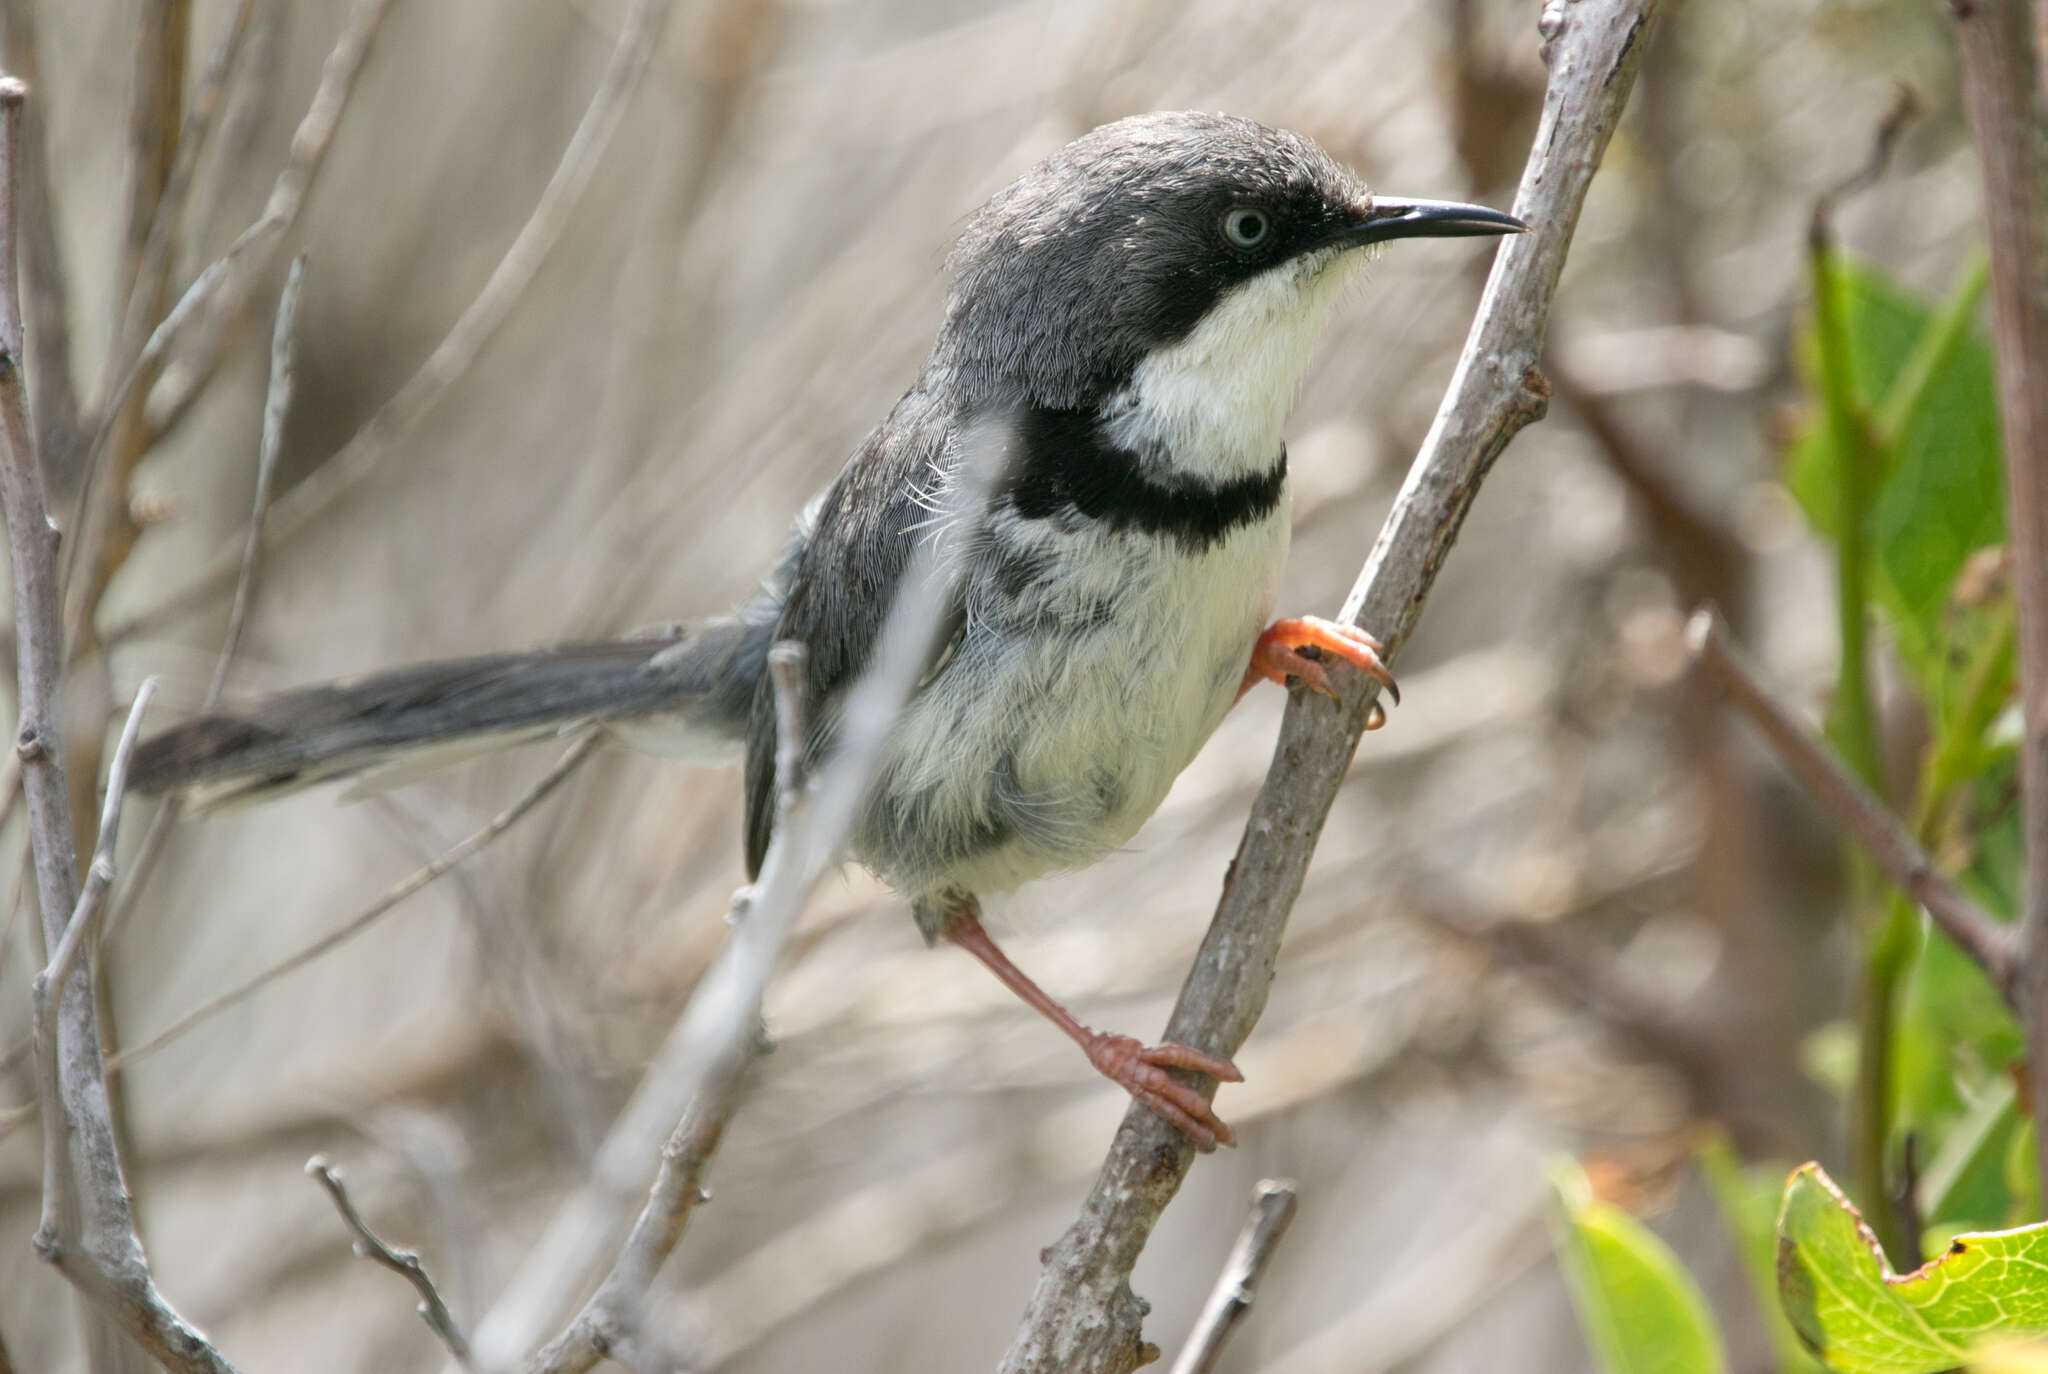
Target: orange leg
{"x": 1277, "y": 656}
{"x": 1138, "y": 1069}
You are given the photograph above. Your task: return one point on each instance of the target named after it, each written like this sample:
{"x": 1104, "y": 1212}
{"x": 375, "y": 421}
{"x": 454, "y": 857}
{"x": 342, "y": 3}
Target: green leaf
{"x": 1923, "y": 378}
{"x": 1641, "y": 1311}
{"x": 1952, "y": 1038}
{"x": 1965, "y": 1186}
{"x": 1861, "y": 1318}
{"x": 1944, "y": 496}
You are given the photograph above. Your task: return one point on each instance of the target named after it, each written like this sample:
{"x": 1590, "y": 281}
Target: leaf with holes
{"x": 1861, "y": 1318}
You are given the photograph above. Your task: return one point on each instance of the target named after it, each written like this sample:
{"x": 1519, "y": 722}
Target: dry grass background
{"x": 1559, "y": 909}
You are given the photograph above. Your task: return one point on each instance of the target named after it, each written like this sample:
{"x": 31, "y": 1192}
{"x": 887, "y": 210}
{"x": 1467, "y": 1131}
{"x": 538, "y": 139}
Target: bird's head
{"x": 1200, "y": 233}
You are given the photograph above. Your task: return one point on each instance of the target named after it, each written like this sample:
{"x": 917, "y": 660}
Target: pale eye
{"x": 1246, "y": 227}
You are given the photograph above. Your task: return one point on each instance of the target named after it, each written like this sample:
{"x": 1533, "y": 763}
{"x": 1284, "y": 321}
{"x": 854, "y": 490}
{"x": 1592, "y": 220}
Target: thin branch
{"x": 1231, "y": 1298}
{"x": 156, "y": 99}
{"x": 1853, "y": 806}
{"x": 99, "y": 876}
{"x": 695, "y": 1078}
{"x": 58, "y": 1201}
{"x": 1083, "y": 1317}
{"x": 53, "y": 392}
{"x": 2002, "y": 93}
{"x": 612, "y": 1316}
{"x": 276, "y": 405}
{"x": 786, "y": 675}
{"x": 242, "y": 267}
{"x": 161, "y": 822}
{"x": 465, "y": 341}
{"x": 89, "y": 1235}
{"x": 153, "y": 262}
{"x": 219, "y": 294}
{"x": 361, "y": 921}
{"x": 405, "y": 1263}
{"x": 1858, "y": 455}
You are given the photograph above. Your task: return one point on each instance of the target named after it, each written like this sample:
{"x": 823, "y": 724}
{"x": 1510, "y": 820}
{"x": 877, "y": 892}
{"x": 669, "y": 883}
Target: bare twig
{"x": 695, "y": 1077}
{"x": 99, "y": 876}
{"x": 54, "y": 394}
{"x": 2002, "y": 92}
{"x": 611, "y": 1320}
{"x": 151, "y": 269}
{"x": 465, "y": 340}
{"x": 156, "y": 99}
{"x": 1853, "y": 806}
{"x": 215, "y": 299}
{"x": 161, "y": 823}
{"x": 786, "y": 673}
{"x": 239, "y": 271}
{"x": 405, "y": 1263}
{"x": 58, "y": 1200}
{"x": 89, "y": 1232}
{"x": 1083, "y": 1316}
{"x": 1231, "y": 1298}
{"x": 276, "y": 405}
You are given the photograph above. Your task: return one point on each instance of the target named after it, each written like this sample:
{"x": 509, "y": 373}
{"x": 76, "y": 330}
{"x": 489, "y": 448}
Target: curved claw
{"x": 1141, "y": 1071}
{"x": 1277, "y": 655}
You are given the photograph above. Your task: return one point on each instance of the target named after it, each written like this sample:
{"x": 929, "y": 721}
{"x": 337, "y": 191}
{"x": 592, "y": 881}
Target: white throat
{"x": 1213, "y": 405}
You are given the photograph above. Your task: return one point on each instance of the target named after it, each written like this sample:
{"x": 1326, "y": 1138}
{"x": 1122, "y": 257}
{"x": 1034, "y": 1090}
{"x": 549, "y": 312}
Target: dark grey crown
{"x": 1115, "y": 245}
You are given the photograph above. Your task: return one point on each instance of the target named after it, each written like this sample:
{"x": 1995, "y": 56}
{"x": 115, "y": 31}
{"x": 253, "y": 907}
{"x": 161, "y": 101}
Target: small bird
{"x": 1137, "y": 312}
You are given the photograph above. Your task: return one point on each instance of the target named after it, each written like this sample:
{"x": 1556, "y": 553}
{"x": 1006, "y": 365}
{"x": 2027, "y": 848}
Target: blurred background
{"x": 1563, "y": 908}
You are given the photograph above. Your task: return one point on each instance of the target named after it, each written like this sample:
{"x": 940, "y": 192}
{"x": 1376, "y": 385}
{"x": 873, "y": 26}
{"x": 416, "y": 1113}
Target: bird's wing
{"x": 863, "y": 533}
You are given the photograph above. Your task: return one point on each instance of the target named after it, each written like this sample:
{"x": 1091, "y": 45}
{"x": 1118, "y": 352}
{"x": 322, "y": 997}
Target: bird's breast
{"x": 1095, "y": 659}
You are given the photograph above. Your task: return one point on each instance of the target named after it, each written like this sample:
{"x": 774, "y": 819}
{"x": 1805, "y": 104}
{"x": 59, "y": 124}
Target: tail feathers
{"x": 409, "y": 719}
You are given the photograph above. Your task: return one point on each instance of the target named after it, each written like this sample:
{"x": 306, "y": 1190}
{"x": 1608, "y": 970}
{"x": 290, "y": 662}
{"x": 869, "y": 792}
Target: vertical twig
{"x": 276, "y": 405}
{"x": 1231, "y": 1298}
{"x": 89, "y": 1232}
{"x": 1083, "y": 1317}
{"x": 52, "y": 390}
{"x": 81, "y": 930}
{"x": 214, "y": 300}
{"x": 151, "y": 268}
{"x": 1885, "y": 932}
{"x": 2002, "y": 92}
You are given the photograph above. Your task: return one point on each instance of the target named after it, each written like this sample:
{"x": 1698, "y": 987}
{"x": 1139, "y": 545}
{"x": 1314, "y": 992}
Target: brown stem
{"x": 1995, "y": 44}
{"x": 1854, "y": 807}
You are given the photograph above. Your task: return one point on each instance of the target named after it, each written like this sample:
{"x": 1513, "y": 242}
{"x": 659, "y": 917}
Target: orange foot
{"x": 1277, "y": 656}
{"x": 1140, "y": 1070}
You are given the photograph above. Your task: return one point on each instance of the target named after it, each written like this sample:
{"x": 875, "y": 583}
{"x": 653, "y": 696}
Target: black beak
{"x": 1390, "y": 217}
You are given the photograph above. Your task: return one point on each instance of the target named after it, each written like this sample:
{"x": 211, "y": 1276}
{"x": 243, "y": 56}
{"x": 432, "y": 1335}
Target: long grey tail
{"x": 691, "y": 690}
